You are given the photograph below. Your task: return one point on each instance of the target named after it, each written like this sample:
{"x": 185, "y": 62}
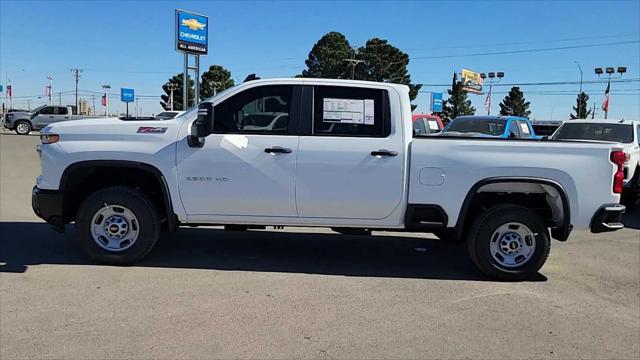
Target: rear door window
{"x": 350, "y": 111}
{"x": 514, "y": 131}
{"x": 62, "y": 110}
{"x": 524, "y": 128}
{"x": 419, "y": 127}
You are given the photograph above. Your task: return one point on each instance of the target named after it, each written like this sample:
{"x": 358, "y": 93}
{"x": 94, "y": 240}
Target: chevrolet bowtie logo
{"x": 193, "y": 24}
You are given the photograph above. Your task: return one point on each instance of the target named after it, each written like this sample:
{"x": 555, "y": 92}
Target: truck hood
{"x": 110, "y": 128}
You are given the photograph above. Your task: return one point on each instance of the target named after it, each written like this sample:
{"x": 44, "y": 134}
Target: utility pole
{"x": 50, "y": 78}
{"x": 76, "y": 73}
{"x": 593, "y": 113}
{"x": 353, "y": 62}
{"x": 137, "y": 113}
{"x": 60, "y": 98}
{"x": 28, "y": 104}
{"x": 93, "y": 98}
{"x": 580, "y": 92}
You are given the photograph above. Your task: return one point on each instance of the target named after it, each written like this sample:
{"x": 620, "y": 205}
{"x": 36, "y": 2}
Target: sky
{"x": 131, "y": 44}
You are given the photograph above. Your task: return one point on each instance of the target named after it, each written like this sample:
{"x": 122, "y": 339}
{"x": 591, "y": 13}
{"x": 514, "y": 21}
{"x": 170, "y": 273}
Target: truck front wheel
{"x": 117, "y": 225}
{"x": 509, "y": 242}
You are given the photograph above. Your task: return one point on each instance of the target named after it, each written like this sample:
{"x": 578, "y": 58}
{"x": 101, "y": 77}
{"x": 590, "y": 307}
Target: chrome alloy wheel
{"x": 114, "y": 228}
{"x": 22, "y": 128}
{"x": 512, "y": 244}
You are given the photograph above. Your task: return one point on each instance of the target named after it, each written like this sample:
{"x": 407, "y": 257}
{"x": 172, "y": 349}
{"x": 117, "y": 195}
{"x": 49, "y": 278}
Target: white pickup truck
{"x": 345, "y": 159}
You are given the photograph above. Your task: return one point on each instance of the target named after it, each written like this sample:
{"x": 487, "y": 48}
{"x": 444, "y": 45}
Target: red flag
{"x": 9, "y": 91}
{"x": 104, "y": 100}
{"x": 605, "y": 103}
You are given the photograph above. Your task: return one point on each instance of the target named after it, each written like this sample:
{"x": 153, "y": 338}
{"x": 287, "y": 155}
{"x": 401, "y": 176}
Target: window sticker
{"x": 348, "y": 111}
{"x": 524, "y": 128}
{"x": 433, "y": 125}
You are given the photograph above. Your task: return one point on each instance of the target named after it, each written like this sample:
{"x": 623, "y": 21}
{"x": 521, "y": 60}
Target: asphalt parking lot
{"x": 206, "y": 293}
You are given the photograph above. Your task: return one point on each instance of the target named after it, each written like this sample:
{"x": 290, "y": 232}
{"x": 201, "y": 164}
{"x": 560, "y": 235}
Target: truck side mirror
{"x": 203, "y": 126}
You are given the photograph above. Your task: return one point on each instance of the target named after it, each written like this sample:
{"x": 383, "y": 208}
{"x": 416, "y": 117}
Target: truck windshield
{"x": 493, "y": 127}
{"x": 620, "y": 133}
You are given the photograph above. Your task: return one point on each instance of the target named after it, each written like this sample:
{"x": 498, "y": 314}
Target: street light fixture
{"x": 491, "y": 75}
{"x": 609, "y": 70}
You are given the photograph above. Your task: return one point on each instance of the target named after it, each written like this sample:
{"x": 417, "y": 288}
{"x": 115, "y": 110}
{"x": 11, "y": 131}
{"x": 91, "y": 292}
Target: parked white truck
{"x": 345, "y": 158}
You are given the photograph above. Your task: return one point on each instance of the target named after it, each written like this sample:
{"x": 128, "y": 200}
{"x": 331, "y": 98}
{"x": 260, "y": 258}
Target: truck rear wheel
{"x": 117, "y": 225}
{"x": 509, "y": 242}
{"x": 22, "y": 127}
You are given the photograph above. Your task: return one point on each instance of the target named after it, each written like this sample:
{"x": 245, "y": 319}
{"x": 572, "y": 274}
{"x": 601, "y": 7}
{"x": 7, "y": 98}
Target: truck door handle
{"x": 383, "y": 152}
{"x": 277, "y": 150}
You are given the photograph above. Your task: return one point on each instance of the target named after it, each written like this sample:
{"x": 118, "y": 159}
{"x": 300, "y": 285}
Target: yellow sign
{"x": 193, "y": 24}
{"x": 471, "y": 81}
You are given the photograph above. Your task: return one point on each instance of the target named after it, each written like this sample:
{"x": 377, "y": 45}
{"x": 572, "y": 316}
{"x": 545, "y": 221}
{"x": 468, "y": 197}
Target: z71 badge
{"x": 151, "y": 130}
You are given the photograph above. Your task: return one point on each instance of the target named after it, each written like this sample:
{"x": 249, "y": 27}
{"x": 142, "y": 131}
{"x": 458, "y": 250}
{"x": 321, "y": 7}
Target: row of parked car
{"x": 624, "y": 132}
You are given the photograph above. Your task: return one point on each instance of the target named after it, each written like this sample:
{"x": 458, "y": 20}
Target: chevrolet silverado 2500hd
{"x": 341, "y": 156}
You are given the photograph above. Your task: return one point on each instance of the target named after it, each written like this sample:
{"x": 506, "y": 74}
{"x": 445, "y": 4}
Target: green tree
{"x": 326, "y": 58}
{"x": 216, "y": 79}
{"x": 580, "y": 111}
{"x": 177, "y": 93}
{"x": 379, "y": 61}
{"x": 514, "y": 104}
{"x": 384, "y": 62}
{"x": 457, "y": 104}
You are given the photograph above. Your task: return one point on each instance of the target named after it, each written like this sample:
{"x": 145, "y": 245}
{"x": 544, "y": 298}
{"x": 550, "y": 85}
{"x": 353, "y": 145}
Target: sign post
{"x": 126, "y": 96}
{"x": 192, "y": 37}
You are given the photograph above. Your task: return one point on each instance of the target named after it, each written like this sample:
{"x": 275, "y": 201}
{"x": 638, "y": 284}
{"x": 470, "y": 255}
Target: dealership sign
{"x": 192, "y": 33}
{"x": 436, "y": 102}
{"x": 126, "y": 95}
{"x": 471, "y": 81}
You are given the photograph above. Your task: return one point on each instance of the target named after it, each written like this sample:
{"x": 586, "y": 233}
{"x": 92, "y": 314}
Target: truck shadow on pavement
{"x": 631, "y": 219}
{"x": 30, "y": 243}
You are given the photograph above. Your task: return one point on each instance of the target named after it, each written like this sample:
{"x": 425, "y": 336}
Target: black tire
{"x": 19, "y": 125}
{"x": 148, "y": 225}
{"x": 480, "y": 239}
{"x": 448, "y": 236}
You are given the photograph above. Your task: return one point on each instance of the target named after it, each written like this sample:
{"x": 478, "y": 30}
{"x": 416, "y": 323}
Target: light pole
{"x": 610, "y": 71}
{"x": 580, "y": 92}
{"x": 492, "y": 75}
{"x": 106, "y": 88}
{"x": 171, "y": 87}
{"x": 50, "y": 78}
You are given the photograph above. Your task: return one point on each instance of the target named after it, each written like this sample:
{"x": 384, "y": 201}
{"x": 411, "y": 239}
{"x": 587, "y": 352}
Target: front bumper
{"x": 608, "y": 218}
{"x": 47, "y": 204}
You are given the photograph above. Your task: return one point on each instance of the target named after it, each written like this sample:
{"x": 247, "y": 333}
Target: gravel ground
{"x": 206, "y": 293}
